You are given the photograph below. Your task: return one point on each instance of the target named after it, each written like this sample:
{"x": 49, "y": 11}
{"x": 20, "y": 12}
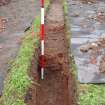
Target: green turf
{"x": 91, "y": 94}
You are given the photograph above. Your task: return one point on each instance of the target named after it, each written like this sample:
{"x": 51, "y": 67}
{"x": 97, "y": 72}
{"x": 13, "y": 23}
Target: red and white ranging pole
{"x": 42, "y": 40}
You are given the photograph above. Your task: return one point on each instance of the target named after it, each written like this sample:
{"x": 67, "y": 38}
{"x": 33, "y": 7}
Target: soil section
{"x": 58, "y": 87}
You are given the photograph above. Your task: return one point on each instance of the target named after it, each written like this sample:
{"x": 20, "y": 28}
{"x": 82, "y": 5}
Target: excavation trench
{"x": 58, "y": 87}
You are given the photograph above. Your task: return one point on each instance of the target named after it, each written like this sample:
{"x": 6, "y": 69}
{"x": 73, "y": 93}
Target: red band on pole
{"x": 42, "y": 2}
{"x": 42, "y": 61}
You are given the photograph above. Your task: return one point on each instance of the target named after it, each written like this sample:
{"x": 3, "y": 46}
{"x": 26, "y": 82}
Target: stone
{"x": 75, "y": 14}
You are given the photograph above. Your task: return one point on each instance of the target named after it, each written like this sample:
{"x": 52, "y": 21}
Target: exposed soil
{"x": 97, "y": 48}
{"x": 58, "y": 87}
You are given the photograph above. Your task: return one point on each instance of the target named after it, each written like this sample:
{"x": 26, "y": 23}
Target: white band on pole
{"x": 42, "y": 15}
{"x": 42, "y": 47}
{"x": 42, "y": 73}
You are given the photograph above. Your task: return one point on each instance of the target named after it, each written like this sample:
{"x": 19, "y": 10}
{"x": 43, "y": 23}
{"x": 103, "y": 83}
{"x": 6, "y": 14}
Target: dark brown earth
{"x": 95, "y": 47}
{"x": 58, "y": 87}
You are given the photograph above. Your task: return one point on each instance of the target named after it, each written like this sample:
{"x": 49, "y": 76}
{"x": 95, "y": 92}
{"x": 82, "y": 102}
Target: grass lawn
{"x": 91, "y": 94}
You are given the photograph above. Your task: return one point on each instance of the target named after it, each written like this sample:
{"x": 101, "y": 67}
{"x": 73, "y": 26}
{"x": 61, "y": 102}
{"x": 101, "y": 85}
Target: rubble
{"x": 100, "y": 16}
{"x": 89, "y": 46}
{"x": 75, "y": 14}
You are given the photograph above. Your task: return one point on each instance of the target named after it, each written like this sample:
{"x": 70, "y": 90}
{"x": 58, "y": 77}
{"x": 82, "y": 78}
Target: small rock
{"x": 94, "y": 45}
{"x": 90, "y": 3}
{"x": 87, "y": 47}
{"x": 83, "y": 49}
{"x": 93, "y": 60}
{"x": 75, "y": 14}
